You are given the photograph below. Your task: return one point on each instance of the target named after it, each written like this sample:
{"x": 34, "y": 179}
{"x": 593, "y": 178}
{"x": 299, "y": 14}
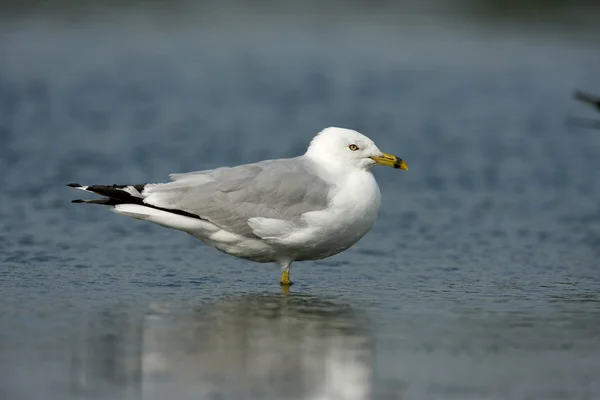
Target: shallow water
{"x": 480, "y": 279}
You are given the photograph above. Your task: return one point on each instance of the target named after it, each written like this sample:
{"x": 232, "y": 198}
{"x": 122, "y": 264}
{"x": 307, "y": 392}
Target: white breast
{"x": 352, "y": 213}
{"x": 358, "y": 200}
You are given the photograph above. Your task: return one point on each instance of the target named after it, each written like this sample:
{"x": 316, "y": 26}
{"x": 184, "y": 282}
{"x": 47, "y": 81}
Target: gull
{"x": 304, "y": 208}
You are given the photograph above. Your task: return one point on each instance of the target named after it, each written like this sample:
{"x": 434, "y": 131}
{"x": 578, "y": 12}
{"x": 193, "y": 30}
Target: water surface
{"x": 480, "y": 279}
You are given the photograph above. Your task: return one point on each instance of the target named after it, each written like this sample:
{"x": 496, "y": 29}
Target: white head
{"x": 348, "y": 148}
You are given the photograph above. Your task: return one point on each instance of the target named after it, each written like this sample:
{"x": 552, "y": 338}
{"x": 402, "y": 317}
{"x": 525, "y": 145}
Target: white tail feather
{"x": 164, "y": 218}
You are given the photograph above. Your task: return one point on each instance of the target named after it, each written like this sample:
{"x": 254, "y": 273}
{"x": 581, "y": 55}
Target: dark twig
{"x": 591, "y": 100}
{"x": 588, "y": 98}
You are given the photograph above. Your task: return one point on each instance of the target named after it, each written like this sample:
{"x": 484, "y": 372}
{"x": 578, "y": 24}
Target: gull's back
{"x": 228, "y": 197}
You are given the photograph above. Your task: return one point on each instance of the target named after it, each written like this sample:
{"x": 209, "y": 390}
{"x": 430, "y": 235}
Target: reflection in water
{"x": 248, "y": 347}
{"x": 106, "y": 356}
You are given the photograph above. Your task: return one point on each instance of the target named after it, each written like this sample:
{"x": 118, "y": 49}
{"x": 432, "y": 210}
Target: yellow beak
{"x": 390, "y": 161}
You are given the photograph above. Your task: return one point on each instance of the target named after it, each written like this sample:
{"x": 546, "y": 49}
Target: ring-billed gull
{"x": 294, "y": 209}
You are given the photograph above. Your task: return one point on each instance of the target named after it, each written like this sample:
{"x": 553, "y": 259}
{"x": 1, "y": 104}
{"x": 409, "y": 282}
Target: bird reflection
{"x": 258, "y": 346}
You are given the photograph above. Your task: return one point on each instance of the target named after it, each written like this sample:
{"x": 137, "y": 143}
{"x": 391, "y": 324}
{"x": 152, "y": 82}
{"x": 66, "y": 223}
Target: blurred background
{"x": 480, "y": 279}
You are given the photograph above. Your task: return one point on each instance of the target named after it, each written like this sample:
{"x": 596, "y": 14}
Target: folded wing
{"x": 277, "y": 192}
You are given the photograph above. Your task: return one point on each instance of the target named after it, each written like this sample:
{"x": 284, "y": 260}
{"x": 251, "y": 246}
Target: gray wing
{"x": 227, "y": 197}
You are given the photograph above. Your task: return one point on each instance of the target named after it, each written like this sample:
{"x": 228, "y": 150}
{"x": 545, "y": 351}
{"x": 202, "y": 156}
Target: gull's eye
{"x": 353, "y": 147}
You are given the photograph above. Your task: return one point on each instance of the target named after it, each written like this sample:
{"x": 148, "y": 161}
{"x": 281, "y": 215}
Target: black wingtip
{"x": 73, "y": 185}
{"x": 78, "y": 201}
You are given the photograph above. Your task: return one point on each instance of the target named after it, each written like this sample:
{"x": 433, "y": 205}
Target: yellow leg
{"x": 285, "y": 272}
{"x": 285, "y": 277}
